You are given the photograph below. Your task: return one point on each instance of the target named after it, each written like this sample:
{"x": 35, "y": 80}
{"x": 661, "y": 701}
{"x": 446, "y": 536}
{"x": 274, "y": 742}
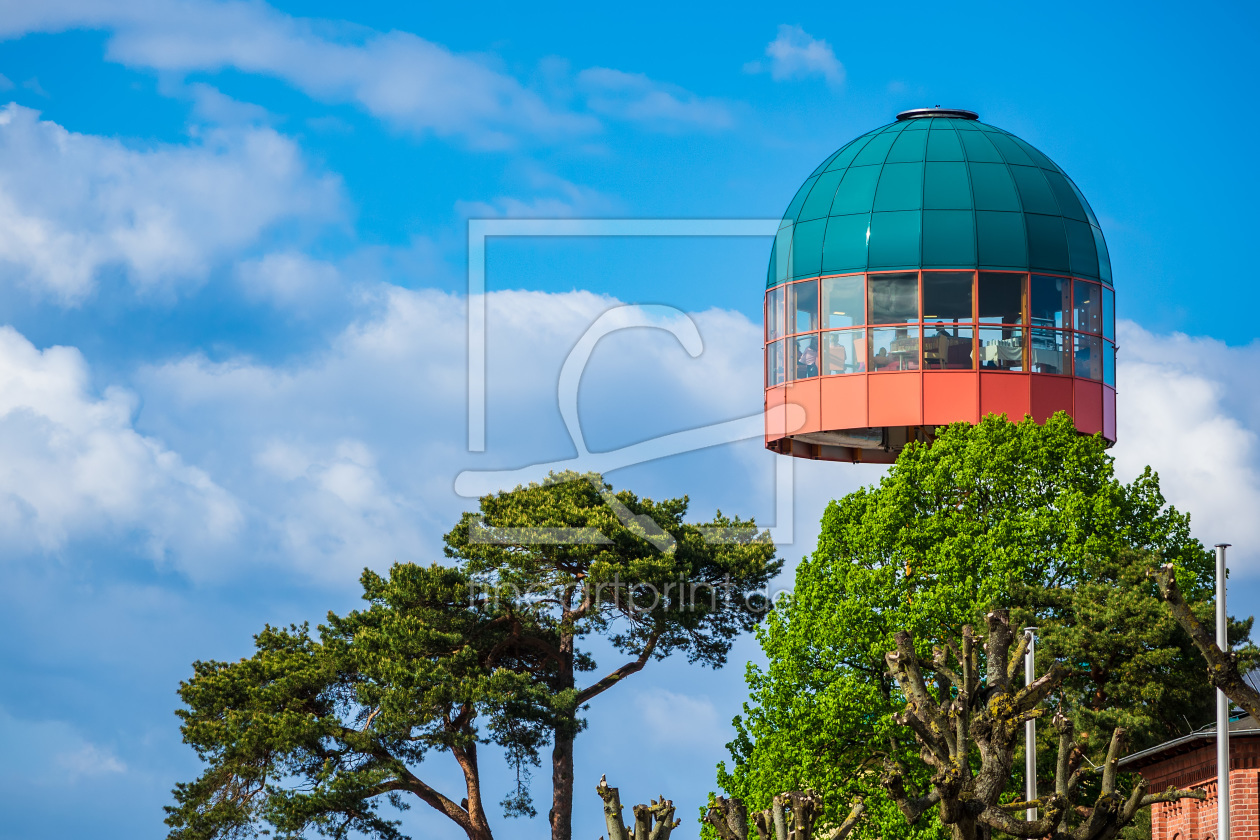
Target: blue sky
{"x": 232, "y": 331}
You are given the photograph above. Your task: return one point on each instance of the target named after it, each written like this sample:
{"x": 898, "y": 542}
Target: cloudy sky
{"x": 233, "y": 324}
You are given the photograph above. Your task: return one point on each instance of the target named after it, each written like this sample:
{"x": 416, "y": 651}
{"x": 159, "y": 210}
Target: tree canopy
{"x": 315, "y": 732}
{"x": 1022, "y": 516}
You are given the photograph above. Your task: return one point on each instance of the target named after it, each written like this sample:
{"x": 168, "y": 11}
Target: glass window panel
{"x": 1047, "y": 243}
{"x": 993, "y": 187}
{"x": 1109, "y": 364}
{"x": 1034, "y": 192}
{"x": 1089, "y": 357}
{"x": 799, "y": 199}
{"x": 1087, "y": 304}
{"x": 1002, "y": 348}
{"x": 947, "y": 296}
{"x": 876, "y": 150}
{"x": 900, "y": 187}
{"x": 1051, "y": 351}
{"x": 945, "y": 187}
{"x": 943, "y": 144}
{"x": 1001, "y": 298}
{"x": 1050, "y": 301}
{"x": 846, "y": 155}
{"x": 819, "y": 202}
{"x": 949, "y": 238}
{"x": 774, "y": 314}
{"x": 807, "y": 245}
{"x": 1069, "y": 204}
{"x": 893, "y": 298}
{"x": 804, "y": 361}
{"x": 1009, "y": 149}
{"x": 894, "y": 349}
{"x": 1081, "y": 251}
{"x": 948, "y": 347}
{"x": 844, "y": 249}
{"x": 803, "y": 307}
{"x": 778, "y": 271}
{"x": 894, "y": 241}
{"x": 1109, "y": 314}
{"x": 844, "y": 351}
{"x": 1000, "y": 239}
{"x": 1104, "y": 259}
{"x": 774, "y": 364}
{"x": 844, "y": 301}
{"x": 979, "y": 148}
{"x": 909, "y": 147}
{"x": 857, "y": 191}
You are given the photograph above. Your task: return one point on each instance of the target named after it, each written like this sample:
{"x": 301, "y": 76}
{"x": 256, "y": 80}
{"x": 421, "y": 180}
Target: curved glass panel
{"x": 774, "y": 314}
{"x": 1087, "y": 306}
{"x": 1002, "y": 348}
{"x": 804, "y": 361}
{"x": 1109, "y": 364}
{"x": 774, "y": 364}
{"x": 947, "y": 296}
{"x": 844, "y": 301}
{"x": 894, "y": 348}
{"x": 843, "y": 351}
{"x": 1089, "y": 356}
{"x": 802, "y": 307}
{"x": 1000, "y": 298}
{"x": 1051, "y": 351}
{"x": 1050, "y": 301}
{"x": 948, "y": 347}
{"x": 893, "y": 298}
{"x": 1109, "y": 313}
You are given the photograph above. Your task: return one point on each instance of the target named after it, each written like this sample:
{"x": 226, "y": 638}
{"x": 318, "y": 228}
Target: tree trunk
{"x": 564, "y": 732}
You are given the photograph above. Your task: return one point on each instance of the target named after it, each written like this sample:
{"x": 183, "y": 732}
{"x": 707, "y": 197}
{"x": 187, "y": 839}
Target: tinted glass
{"x": 804, "y": 361}
{"x": 844, "y": 351}
{"x": 774, "y": 364}
{"x": 1109, "y": 313}
{"x": 844, "y": 301}
{"x": 947, "y": 347}
{"x": 1000, "y": 298}
{"x": 1050, "y": 301}
{"x": 1109, "y": 364}
{"x": 1087, "y": 304}
{"x": 1050, "y": 351}
{"x": 803, "y": 307}
{"x": 947, "y": 295}
{"x": 1002, "y": 348}
{"x": 1089, "y": 357}
{"x": 774, "y": 314}
{"x": 893, "y": 298}
{"x": 894, "y": 348}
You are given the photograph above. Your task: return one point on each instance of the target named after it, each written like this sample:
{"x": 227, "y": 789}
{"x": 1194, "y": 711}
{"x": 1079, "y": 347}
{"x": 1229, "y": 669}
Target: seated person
{"x": 836, "y": 357}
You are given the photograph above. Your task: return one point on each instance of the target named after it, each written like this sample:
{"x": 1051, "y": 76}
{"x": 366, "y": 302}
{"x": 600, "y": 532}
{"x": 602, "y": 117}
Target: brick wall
{"x": 1194, "y": 819}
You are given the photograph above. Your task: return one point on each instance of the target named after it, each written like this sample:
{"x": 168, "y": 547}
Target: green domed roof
{"x": 938, "y": 192}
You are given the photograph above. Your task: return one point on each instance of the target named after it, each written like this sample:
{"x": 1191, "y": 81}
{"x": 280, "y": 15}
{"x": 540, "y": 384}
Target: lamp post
{"x": 1222, "y": 705}
{"x": 1030, "y": 730}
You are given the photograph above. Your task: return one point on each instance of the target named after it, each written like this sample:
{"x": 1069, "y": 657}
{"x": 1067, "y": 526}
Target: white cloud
{"x": 679, "y": 721}
{"x": 51, "y": 752}
{"x": 290, "y": 280}
{"x": 73, "y": 206}
{"x": 795, "y": 54}
{"x": 637, "y": 98}
{"x": 1188, "y": 407}
{"x": 72, "y": 466}
{"x": 401, "y": 78}
{"x": 554, "y": 198}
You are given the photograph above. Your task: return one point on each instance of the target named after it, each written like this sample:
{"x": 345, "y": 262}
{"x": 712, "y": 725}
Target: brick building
{"x": 1190, "y": 763}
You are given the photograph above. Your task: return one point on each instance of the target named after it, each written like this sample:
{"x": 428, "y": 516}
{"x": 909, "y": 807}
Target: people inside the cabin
{"x": 807, "y": 361}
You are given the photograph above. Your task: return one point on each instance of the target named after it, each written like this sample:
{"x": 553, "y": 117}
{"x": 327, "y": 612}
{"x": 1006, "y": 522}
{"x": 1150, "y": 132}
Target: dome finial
{"x": 938, "y": 111}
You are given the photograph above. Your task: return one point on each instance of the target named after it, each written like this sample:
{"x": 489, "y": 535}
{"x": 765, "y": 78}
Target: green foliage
{"x": 310, "y": 735}
{"x": 1023, "y": 516}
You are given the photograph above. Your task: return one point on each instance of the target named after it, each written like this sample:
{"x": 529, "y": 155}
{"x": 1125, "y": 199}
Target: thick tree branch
{"x": 620, "y": 674}
{"x": 1222, "y": 666}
